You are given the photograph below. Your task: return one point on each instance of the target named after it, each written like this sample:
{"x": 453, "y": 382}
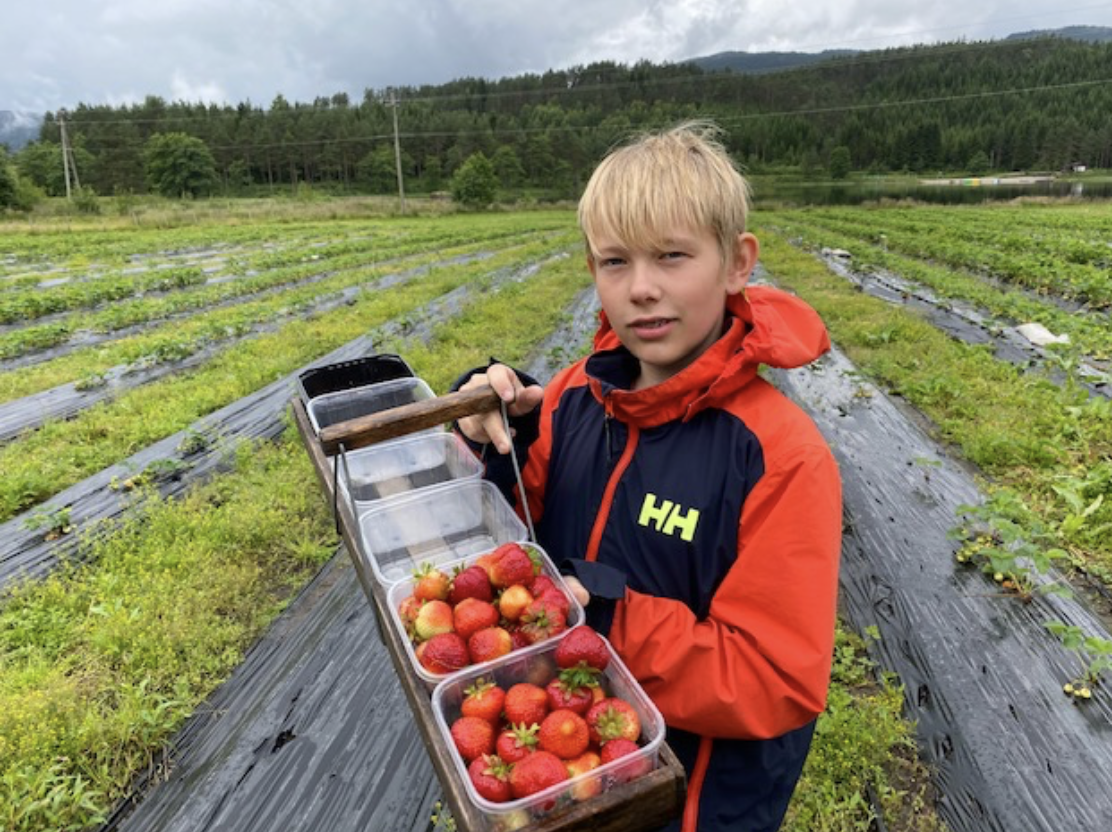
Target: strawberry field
{"x": 179, "y": 637}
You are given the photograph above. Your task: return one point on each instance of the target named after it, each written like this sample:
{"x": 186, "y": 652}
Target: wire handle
{"x": 517, "y": 474}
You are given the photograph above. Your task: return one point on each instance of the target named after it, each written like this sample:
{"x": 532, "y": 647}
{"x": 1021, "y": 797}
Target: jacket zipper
{"x": 612, "y": 482}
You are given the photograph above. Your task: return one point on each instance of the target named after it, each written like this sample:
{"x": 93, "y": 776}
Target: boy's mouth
{"x": 651, "y": 327}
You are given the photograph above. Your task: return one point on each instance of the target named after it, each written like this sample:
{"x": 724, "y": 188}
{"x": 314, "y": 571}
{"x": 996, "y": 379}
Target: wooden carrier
{"x": 648, "y": 802}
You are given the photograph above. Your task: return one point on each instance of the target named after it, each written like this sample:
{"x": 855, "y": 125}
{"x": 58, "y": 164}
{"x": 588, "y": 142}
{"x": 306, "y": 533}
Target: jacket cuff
{"x": 606, "y": 586}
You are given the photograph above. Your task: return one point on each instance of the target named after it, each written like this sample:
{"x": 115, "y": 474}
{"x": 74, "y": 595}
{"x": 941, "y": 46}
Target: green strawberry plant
{"x": 1095, "y": 653}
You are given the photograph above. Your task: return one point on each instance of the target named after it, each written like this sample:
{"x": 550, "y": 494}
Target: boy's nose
{"x": 643, "y": 285}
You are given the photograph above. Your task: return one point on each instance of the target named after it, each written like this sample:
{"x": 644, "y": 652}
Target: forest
{"x": 966, "y": 107}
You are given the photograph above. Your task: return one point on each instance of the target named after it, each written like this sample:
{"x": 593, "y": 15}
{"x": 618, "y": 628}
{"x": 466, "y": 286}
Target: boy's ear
{"x": 746, "y": 251}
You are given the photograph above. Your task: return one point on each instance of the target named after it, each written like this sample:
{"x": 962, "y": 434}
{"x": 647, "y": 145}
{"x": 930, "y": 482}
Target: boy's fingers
{"x": 578, "y": 590}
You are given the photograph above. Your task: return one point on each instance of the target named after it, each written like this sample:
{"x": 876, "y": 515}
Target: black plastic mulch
{"x": 24, "y": 553}
{"x": 982, "y": 676}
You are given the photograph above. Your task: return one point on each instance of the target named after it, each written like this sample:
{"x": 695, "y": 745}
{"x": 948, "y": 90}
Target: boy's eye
{"x": 610, "y": 262}
{"x": 673, "y": 255}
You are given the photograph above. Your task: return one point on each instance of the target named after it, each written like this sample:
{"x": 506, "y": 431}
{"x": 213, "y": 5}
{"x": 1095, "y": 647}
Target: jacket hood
{"x": 766, "y": 326}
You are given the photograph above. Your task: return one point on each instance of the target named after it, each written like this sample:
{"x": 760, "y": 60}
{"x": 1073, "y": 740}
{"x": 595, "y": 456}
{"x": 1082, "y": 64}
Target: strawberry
{"x": 564, "y": 733}
{"x": 574, "y": 689}
{"x": 407, "y": 611}
{"x": 444, "y": 653}
{"x": 483, "y": 699}
{"x": 471, "y": 615}
{"x": 587, "y": 761}
{"x": 535, "y": 773}
{"x": 620, "y": 747}
{"x": 433, "y": 618}
{"x": 488, "y": 644}
{"x": 431, "y": 584}
{"x": 511, "y": 565}
{"x": 541, "y": 584}
{"x": 541, "y": 620}
{"x": 616, "y": 749}
{"x": 582, "y": 646}
{"x": 516, "y": 742}
{"x": 473, "y": 737}
{"x": 518, "y": 638}
{"x": 557, "y": 599}
{"x": 525, "y": 704}
{"x": 471, "y": 582}
{"x": 613, "y": 718}
{"x": 491, "y": 778}
{"x": 513, "y": 601}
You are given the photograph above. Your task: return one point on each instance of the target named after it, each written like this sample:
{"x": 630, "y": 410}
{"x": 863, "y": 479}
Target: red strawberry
{"x": 483, "y": 699}
{"x": 471, "y": 615}
{"x": 541, "y": 620}
{"x": 518, "y": 638}
{"x": 513, "y": 601}
{"x": 444, "y": 653}
{"x": 491, "y": 778}
{"x": 535, "y": 773}
{"x": 582, "y": 646}
{"x": 557, "y": 599}
{"x": 613, "y": 718}
{"x": 620, "y": 747}
{"x": 488, "y": 644}
{"x": 517, "y": 742}
{"x": 431, "y": 583}
{"x": 587, "y": 761}
{"x": 574, "y": 689}
{"x": 471, "y": 582}
{"x": 511, "y": 565}
{"x": 473, "y": 737}
{"x": 542, "y": 583}
{"x": 525, "y": 704}
{"x": 433, "y": 618}
{"x": 564, "y": 733}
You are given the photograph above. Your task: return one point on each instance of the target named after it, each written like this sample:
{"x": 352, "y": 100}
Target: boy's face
{"x": 668, "y": 306}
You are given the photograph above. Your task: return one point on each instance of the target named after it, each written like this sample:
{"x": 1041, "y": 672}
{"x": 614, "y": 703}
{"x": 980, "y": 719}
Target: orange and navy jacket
{"x": 704, "y": 516}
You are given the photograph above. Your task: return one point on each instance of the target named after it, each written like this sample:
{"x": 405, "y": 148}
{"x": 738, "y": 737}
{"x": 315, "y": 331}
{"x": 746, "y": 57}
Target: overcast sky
{"x": 58, "y": 53}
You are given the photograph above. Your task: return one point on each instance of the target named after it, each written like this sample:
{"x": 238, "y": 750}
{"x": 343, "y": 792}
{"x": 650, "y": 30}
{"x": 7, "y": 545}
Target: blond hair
{"x": 681, "y": 177}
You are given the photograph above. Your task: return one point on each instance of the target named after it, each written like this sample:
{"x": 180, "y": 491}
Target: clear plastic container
{"x": 537, "y": 664}
{"x": 437, "y": 525}
{"x": 400, "y": 590}
{"x": 401, "y": 466}
{"x": 332, "y": 408}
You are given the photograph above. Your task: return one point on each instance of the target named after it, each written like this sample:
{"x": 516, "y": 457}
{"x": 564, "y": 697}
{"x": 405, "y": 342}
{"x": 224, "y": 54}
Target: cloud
{"x": 61, "y": 52}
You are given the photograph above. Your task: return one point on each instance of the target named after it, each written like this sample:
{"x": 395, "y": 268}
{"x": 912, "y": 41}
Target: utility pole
{"x": 65, "y": 152}
{"x": 398, "y": 152}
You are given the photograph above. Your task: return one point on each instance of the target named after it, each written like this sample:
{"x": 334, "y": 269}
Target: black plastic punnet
{"x": 346, "y": 375}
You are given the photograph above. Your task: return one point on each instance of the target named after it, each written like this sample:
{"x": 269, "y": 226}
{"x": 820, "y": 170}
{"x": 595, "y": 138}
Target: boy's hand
{"x": 578, "y": 590}
{"x": 488, "y": 427}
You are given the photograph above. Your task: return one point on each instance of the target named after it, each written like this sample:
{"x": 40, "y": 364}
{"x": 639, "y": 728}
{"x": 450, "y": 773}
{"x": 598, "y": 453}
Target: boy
{"x": 699, "y": 509}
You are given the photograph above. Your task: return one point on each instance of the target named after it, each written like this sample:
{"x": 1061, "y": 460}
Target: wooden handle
{"x": 398, "y": 421}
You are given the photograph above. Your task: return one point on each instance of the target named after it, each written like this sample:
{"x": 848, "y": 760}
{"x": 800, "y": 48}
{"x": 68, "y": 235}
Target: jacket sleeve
{"x": 759, "y": 664}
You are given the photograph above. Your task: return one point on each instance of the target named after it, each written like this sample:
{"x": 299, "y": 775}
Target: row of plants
{"x": 101, "y": 664}
{"x": 1089, "y": 332}
{"x": 131, "y": 294}
{"x": 189, "y": 320}
{"x": 1071, "y": 260}
{"x": 1044, "y": 449}
{"x": 38, "y": 465}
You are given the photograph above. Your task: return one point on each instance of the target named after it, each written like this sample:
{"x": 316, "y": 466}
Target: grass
{"x": 863, "y": 761}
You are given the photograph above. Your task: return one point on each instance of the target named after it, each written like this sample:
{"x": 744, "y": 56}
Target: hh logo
{"x": 669, "y": 518}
